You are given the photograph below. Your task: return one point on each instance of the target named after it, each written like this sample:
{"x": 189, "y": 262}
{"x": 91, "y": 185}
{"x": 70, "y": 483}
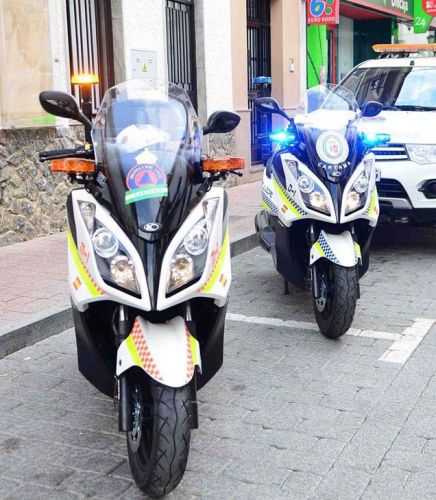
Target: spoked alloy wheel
{"x": 335, "y": 308}
{"x": 158, "y": 445}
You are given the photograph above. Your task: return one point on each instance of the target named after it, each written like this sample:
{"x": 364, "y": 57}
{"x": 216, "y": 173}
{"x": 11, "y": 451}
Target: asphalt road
{"x": 290, "y": 415}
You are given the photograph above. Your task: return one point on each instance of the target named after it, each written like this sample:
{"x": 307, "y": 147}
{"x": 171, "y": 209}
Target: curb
{"x": 59, "y": 320}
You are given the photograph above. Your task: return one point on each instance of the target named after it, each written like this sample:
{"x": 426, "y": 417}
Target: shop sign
{"x": 323, "y": 12}
{"x": 421, "y": 20}
{"x": 403, "y": 7}
{"x": 429, "y": 6}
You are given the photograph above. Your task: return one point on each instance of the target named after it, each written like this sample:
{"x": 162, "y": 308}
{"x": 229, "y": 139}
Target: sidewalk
{"x": 34, "y": 301}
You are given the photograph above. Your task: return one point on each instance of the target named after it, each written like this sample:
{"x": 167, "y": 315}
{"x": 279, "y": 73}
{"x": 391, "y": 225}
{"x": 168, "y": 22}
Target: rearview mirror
{"x": 371, "y": 108}
{"x": 271, "y": 106}
{"x": 63, "y": 105}
{"x": 221, "y": 122}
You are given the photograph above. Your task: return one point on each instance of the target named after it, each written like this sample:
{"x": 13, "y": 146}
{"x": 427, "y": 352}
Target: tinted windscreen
{"x": 403, "y": 88}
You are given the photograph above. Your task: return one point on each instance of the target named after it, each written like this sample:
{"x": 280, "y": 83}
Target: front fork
{"x": 125, "y": 416}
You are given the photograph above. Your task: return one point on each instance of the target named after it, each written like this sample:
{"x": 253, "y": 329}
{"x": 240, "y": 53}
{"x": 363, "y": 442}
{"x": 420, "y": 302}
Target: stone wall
{"x": 32, "y": 199}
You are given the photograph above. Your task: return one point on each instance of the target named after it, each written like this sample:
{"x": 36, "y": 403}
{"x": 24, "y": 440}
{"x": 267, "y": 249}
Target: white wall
{"x": 144, "y": 29}
{"x": 217, "y": 77}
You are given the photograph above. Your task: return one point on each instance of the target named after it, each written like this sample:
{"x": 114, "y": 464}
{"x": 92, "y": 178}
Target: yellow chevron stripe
{"x": 216, "y": 272}
{"x": 81, "y": 267}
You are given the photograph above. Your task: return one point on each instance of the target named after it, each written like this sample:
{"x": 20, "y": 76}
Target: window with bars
{"x": 90, "y": 44}
{"x": 180, "y": 26}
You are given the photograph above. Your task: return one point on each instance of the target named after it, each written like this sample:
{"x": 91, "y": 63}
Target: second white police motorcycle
{"x": 319, "y": 199}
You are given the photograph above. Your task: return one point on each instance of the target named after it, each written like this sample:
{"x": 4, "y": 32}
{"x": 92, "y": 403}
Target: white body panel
{"x": 86, "y": 284}
{"x": 166, "y": 352}
{"x": 338, "y": 248}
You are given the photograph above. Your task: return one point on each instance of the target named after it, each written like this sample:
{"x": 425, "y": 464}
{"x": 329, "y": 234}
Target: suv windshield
{"x": 397, "y": 88}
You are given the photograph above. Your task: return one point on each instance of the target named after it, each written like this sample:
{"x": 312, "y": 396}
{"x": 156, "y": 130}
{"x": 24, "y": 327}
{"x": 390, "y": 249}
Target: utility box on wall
{"x": 144, "y": 64}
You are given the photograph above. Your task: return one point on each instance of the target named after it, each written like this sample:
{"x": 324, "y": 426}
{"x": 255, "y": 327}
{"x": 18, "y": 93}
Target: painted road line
{"x": 305, "y": 325}
{"x": 401, "y": 350}
{"x": 403, "y": 343}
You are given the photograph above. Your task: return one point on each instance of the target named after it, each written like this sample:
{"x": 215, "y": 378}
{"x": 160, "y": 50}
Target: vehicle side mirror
{"x": 221, "y": 122}
{"x": 371, "y": 108}
{"x": 270, "y": 106}
{"x": 63, "y": 105}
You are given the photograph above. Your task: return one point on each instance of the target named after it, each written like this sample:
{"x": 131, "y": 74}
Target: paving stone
{"x": 302, "y": 481}
{"x": 36, "y": 492}
{"x": 92, "y": 484}
{"x": 342, "y": 483}
{"x": 258, "y": 472}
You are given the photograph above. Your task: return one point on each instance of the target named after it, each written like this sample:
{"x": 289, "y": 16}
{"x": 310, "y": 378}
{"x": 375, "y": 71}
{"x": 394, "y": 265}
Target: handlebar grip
{"x": 56, "y": 154}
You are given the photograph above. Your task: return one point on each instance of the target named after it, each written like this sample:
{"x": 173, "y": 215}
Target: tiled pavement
{"x": 290, "y": 415}
{"x": 33, "y": 274}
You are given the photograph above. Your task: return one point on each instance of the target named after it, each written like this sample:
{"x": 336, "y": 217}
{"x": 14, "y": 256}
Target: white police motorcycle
{"x": 319, "y": 200}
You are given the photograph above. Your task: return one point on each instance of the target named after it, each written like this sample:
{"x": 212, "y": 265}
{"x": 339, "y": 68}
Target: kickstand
{"x": 286, "y": 283}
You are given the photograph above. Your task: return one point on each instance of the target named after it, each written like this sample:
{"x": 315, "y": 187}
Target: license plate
{"x": 377, "y": 175}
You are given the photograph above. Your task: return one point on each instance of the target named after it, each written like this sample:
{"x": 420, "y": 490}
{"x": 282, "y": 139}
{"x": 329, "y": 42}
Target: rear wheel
{"x": 335, "y": 308}
{"x": 158, "y": 445}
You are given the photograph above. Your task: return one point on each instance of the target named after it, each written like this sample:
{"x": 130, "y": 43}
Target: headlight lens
{"x": 190, "y": 257}
{"x": 305, "y": 184}
{"x": 422, "y": 153}
{"x": 358, "y": 193}
{"x": 88, "y": 213}
{"x": 123, "y": 273}
{"x": 196, "y": 240}
{"x": 105, "y": 243}
{"x": 182, "y": 270}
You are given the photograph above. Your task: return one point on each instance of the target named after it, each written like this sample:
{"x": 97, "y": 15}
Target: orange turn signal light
{"x": 73, "y": 166}
{"x": 403, "y": 47}
{"x": 223, "y": 164}
{"x": 84, "y": 79}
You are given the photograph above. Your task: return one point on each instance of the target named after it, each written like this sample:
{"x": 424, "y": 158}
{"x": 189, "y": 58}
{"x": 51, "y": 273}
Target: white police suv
{"x": 403, "y": 79}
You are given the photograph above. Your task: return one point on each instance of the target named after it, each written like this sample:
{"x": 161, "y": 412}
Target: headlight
{"x": 123, "y": 273}
{"x": 422, "y": 153}
{"x": 196, "y": 240}
{"x": 182, "y": 270}
{"x": 318, "y": 201}
{"x": 105, "y": 243}
{"x": 358, "y": 193}
{"x": 305, "y": 184}
{"x": 88, "y": 213}
{"x": 188, "y": 261}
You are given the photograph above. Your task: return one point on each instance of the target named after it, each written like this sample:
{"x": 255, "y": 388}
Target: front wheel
{"x": 339, "y": 290}
{"x": 158, "y": 445}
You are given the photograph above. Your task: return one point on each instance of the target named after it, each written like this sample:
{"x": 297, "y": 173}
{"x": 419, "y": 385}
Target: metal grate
{"x": 83, "y": 43}
{"x": 259, "y": 64}
{"x": 390, "y": 188}
{"x": 180, "y": 26}
{"x": 391, "y": 152}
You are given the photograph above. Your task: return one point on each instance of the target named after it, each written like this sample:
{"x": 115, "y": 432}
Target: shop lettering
{"x": 400, "y": 4}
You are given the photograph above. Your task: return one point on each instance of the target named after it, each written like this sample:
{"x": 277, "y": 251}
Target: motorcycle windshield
{"x": 147, "y": 141}
{"x": 326, "y": 124}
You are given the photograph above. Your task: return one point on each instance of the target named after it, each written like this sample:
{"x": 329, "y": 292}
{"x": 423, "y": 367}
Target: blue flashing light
{"x": 283, "y": 137}
{"x": 373, "y": 139}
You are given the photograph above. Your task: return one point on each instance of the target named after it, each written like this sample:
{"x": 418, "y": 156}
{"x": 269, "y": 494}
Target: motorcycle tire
{"x": 158, "y": 445}
{"x": 335, "y": 316}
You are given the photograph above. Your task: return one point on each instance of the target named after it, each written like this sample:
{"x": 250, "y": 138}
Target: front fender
{"x": 165, "y": 351}
{"x": 338, "y": 248}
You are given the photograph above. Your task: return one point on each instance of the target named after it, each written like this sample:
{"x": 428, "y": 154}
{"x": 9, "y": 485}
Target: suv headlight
{"x": 114, "y": 263}
{"x": 189, "y": 260}
{"x": 422, "y": 153}
{"x": 358, "y": 193}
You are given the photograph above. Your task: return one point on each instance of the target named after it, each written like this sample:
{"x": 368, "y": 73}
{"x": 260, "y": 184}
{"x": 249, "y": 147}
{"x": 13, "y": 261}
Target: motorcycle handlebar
{"x": 58, "y": 154}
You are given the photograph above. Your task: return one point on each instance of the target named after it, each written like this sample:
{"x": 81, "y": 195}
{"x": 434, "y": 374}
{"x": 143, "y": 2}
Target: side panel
{"x": 165, "y": 351}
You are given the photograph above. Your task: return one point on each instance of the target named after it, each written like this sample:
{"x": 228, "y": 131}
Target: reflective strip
{"x": 318, "y": 248}
{"x": 130, "y": 344}
{"x": 93, "y": 289}
{"x": 357, "y": 250}
{"x": 285, "y": 200}
{"x": 194, "y": 350}
{"x": 216, "y": 272}
{"x": 265, "y": 206}
{"x": 372, "y": 205}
